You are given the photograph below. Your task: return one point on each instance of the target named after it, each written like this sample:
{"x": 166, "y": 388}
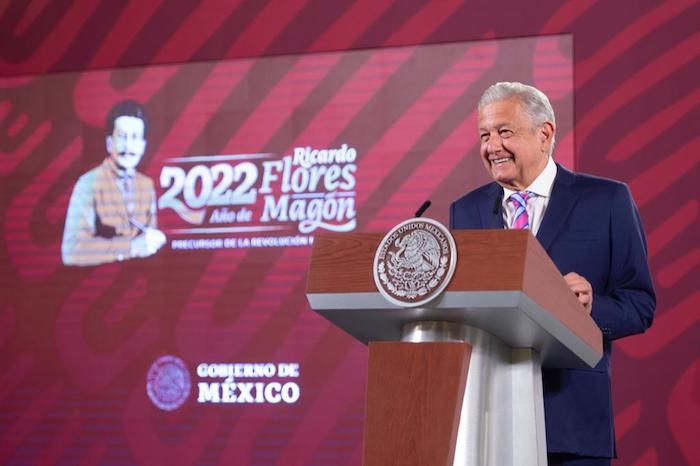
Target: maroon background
{"x": 636, "y": 112}
{"x": 409, "y": 113}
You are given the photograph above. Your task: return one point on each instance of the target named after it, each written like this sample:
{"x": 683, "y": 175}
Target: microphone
{"x": 421, "y": 210}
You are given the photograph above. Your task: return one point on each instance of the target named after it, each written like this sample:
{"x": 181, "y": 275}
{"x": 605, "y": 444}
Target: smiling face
{"x": 513, "y": 149}
{"x": 126, "y": 144}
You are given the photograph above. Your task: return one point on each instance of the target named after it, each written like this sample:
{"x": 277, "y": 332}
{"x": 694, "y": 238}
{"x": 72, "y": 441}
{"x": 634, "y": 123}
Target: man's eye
{"x": 484, "y": 137}
{"x": 505, "y": 133}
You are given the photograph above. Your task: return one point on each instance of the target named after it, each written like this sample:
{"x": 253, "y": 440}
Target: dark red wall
{"x": 636, "y": 119}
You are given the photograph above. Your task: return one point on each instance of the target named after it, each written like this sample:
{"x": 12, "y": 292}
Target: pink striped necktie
{"x": 521, "y": 220}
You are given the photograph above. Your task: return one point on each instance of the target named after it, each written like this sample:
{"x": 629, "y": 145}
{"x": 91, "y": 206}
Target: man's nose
{"x": 132, "y": 145}
{"x": 494, "y": 144}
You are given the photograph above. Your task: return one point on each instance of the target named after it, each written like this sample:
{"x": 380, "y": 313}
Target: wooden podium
{"x": 457, "y": 380}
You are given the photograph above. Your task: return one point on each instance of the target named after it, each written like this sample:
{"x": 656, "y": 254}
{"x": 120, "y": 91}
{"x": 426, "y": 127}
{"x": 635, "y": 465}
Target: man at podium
{"x": 591, "y": 229}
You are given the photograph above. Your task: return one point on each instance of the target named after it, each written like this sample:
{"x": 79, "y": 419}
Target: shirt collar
{"x": 542, "y": 186}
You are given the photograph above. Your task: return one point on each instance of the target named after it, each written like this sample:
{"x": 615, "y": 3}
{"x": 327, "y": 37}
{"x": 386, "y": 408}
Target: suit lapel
{"x": 489, "y": 218}
{"x": 560, "y": 205}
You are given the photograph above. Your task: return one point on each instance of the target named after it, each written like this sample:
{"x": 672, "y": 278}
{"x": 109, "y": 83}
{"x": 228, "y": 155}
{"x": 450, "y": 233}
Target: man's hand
{"x": 147, "y": 243}
{"x": 581, "y": 288}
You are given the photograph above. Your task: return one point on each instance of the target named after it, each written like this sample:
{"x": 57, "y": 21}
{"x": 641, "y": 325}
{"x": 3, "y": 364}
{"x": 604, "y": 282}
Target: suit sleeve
{"x": 81, "y": 245}
{"x": 627, "y": 305}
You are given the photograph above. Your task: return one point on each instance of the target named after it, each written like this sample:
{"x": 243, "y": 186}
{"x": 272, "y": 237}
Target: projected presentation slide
{"x": 157, "y": 228}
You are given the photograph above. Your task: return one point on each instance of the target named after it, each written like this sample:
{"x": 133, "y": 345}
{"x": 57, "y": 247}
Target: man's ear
{"x": 546, "y": 132}
{"x": 108, "y": 144}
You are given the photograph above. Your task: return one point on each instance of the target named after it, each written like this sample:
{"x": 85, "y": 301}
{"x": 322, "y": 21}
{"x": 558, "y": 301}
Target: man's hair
{"x": 534, "y": 102}
{"x": 126, "y": 108}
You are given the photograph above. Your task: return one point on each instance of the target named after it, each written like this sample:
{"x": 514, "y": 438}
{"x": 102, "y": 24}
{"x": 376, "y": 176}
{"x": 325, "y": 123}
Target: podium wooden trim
{"x": 414, "y": 394}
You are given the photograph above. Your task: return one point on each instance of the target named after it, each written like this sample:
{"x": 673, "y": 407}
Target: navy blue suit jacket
{"x": 591, "y": 227}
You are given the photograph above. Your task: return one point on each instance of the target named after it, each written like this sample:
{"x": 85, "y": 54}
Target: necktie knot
{"x": 521, "y": 198}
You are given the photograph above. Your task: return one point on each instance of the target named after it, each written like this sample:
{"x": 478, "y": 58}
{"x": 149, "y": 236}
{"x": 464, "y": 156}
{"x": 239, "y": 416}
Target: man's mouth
{"x": 500, "y": 160}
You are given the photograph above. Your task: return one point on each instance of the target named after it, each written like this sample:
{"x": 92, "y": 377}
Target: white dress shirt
{"x": 541, "y": 190}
